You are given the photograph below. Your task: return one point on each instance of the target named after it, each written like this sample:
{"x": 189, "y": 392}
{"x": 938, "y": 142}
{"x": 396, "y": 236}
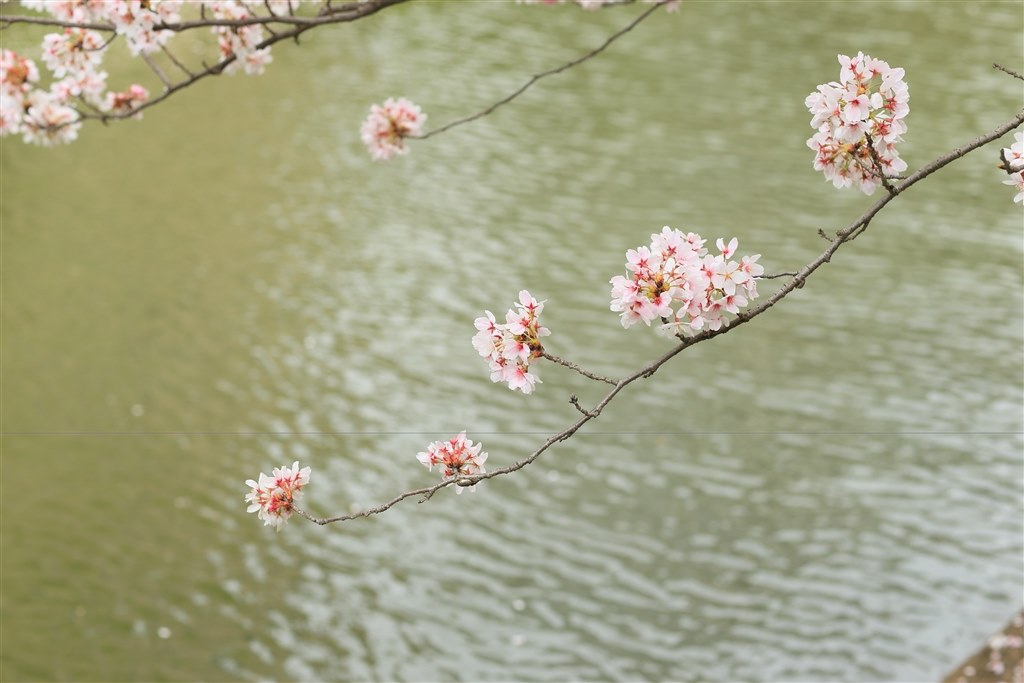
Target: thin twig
{"x": 575, "y": 401}
{"x": 544, "y": 74}
{"x": 158, "y": 71}
{"x": 842, "y": 237}
{"x": 174, "y": 60}
{"x": 1009, "y": 71}
{"x": 572, "y": 366}
{"x": 776, "y": 275}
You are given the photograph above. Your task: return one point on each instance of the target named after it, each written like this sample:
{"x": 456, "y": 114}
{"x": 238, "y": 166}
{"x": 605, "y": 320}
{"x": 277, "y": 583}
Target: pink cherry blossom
{"x": 457, "y": 456}
{"x": 127, "y": 101}
{"x": 47, "y": 121}
{"x": 272, "y": 498}
{"x": 1013, "y": 163}
{"x": 871, "y": 99}
{"x": 387, "y": 126}
{"x": 1014, "y": 154}
{"x": 512, "y": 347}
{"x": 74, "y": 51}
{"x": 678, "y": 282}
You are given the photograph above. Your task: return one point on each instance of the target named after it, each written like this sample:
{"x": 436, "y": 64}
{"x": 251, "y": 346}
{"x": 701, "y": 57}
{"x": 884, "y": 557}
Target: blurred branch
{"x": 344, "y": 13}
{"x": 1009, "y": 71}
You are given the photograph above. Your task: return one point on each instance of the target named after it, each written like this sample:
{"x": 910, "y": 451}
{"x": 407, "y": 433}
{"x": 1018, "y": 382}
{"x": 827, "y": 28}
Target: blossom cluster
{"x": 136, "y": 20}
{"x": 272, "y": 498}
{"x": 1013, "y": 162}
{"x": 387, "y": 126}
{"x": 870, "y": 100}
{"x": 670, "y": 5}
{"x": 242, "y": 42}
{"x": 511, "y": 347}
{"x": 74, "y": 57}
{"x": 457, "y": 456}
{"x": 677, "y": 281}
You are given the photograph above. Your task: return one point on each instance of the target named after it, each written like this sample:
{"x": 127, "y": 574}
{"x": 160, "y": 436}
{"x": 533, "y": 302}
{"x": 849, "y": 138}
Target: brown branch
{"x": 842, "y": 237}
{"x": 879, "y": 168}
{"x": 544, "y": 74}
{"x": 355, "y": 11}
{"x": 176, "y": 62}
{"x": 575, "y": 401}
{"x": 157, "y": 70}
{"x": 12, "y": 19}
{"x": 573, "y": 366}
{"x": 1009, "y": 71}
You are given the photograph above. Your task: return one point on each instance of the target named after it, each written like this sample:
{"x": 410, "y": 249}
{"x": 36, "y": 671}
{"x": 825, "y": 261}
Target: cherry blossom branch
{"x": 326, "y": 15}
{"x": 840, "y": 238}
{"x": 544, "y": 74}
{"x": 345, "y": 13}
{"x": 577, "y": 368}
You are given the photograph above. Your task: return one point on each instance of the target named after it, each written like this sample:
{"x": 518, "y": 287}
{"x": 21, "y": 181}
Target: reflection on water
{"x": 831, "y": 493}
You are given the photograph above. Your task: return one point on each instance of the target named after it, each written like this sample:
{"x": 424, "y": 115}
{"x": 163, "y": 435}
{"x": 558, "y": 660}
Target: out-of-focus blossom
{"x": 1013, "y": 163}
{"x": 388, "y": 125}
{"x": 512, "y": 346}
{"x": 870, "y": 99}
{"x": 240, "y": 42}
{"x": 676, "y": 281}
{"x": 47, "y": 121}
{"x": 127, "y": 101}
{"x": 273, "y": 497}
{"x": 74, "y": 51}
{"x": 18, "y": 75}
{"x": 457, "y": 456}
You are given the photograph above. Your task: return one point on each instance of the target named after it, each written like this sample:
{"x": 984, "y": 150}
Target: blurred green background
{"x": 833, "y": 492}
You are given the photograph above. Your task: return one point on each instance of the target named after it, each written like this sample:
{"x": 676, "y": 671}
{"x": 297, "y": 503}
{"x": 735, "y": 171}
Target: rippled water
{"x": 832, "y": 492}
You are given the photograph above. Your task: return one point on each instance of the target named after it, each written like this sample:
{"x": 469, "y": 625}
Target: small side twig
{"x": 158, "y": 71}
{"x": 575, "y": 401}
{"x": 176, "y": 62}
{"x": 577, "y": 368}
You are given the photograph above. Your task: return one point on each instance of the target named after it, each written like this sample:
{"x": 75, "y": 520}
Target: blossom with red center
{"x": 458, "y": 457}
{"x": 859, "y": 122}
{"x": 676, "y": 280}
{"x": 128, "y": 101}
{"x": 388, "y": 125}
{"x": 273, "y": 497}
{"x": 510, "y": 348}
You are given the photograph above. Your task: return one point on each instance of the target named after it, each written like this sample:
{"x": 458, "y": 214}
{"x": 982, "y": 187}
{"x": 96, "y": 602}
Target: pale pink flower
{"x": 677, "y": 281}
{"x": 1014, "y": 154}
{"x": 128, "y": 101}
{"x": 510, "y": 348}
{"x": 388, "y": 125}
{"x": 74, "y": 51}
{"x": 273, "y": 497}
{"x": 871, "y": 99}
{"x": 47, "y": 121}
{"x": 457, "y": 457}
{"x": 17, "y": 75}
